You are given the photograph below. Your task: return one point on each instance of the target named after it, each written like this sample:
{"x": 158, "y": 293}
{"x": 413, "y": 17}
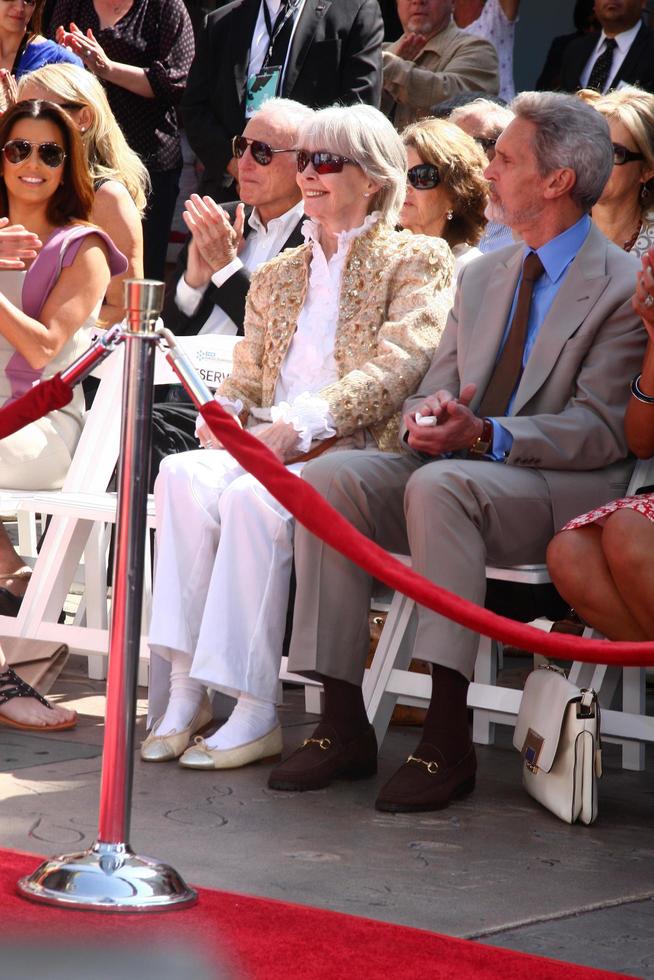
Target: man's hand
{"x": 408, "y": 46}
{"x": 456, "y": 427}
{"x": 217, "y": 240}
{"x": 16, "y": 244}
{"x": 280, "y": 437}
{"x": 197, "y": 273}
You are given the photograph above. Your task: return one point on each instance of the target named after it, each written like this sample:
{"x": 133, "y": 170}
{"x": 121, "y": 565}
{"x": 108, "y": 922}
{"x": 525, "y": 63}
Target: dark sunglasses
{"x": 17, "y": 151}
{"x": 72, "y": 106}
{"x": 486, "y": 142}
{"x": 26, "y": 3}
{"x": 622, "y": 155}
{"x": 423, "y": 177}
{"x": 261, "y": 152}
{"x": 322, "y": 161}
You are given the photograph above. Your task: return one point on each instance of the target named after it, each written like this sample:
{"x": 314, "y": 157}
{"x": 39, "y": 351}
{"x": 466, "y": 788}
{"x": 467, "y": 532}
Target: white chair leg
{"x": 393, "y": 653}
{"x": 483, "y": 730}
{"x": 633, "y": 702}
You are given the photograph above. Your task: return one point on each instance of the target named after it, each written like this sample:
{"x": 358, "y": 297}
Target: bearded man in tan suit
{"x": 433, "y": 61}
{"x": 528, "y": 393}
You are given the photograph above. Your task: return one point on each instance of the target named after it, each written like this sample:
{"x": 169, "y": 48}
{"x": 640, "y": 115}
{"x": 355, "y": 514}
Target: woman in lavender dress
{"x": 46, "y": 312}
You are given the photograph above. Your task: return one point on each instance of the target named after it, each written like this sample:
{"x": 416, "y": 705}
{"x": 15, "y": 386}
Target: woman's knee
{"x": 567, "y": 555}
{"x": 628, "y": 543}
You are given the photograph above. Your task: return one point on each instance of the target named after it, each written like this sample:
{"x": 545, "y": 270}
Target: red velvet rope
{"x": 306, "y": 504}
{"x": 38, "y": 401}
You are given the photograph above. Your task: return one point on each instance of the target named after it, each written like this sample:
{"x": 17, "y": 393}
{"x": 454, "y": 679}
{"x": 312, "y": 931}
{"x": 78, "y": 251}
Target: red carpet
{"x": 269, "y": 940}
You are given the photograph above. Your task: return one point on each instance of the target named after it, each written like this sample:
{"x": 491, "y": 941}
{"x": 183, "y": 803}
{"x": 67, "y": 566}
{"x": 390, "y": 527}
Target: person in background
{"x": 625, "y": 211}
{"x": 141, "y": 50}
{"x": 446, "y": 191}
{"x": 495, "y": 21}
{"x": 485, "y": 121}
{"x": 337, "y": 332}
{"x": 432, "y": 62}
{"x": 22, "y": 46}
{"x": 120, "y": 179}
{"x": 622, "y": 53}
{"x": 313, "y": 52}
{"x": 47, "y": 313}
{"x": 585, "y": 22}
{"x": 601, "y": 562}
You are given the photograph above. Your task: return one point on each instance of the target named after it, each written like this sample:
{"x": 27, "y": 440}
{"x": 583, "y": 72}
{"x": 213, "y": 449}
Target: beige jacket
{"x": 567, "y": 417}
{"x": 394, "y": 300}
{"x": 450, "y": 62}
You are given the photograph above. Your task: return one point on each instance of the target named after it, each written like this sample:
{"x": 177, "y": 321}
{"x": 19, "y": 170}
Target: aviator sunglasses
{"x": 622, "y": 155}
{"x": 322, "y": 161}
{"x": 17, "y": 151}
{"x": 262, "y": 152}
{"x": 423, "y": 177}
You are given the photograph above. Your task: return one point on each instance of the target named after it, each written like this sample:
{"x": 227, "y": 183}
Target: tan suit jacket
{"x": 450, "y": 63}
{"x": 567, "y": 417}
{"x": 394, "y": 298}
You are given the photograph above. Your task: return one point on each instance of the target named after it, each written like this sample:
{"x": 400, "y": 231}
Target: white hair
{"x": 366, "y": 136}
{"x": 497, "y": 116}
{"x": 293, "y": 113}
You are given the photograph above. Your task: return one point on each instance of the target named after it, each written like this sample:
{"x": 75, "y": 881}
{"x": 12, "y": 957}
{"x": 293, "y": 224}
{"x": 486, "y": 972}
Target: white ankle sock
{"x": 185, "y": 696}
{"x": 250, "y": 719}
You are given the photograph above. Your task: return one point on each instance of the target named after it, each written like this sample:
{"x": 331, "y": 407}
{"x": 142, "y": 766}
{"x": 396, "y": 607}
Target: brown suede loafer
{"x": 427, "y": 782}
{"x": 325, "y": 756}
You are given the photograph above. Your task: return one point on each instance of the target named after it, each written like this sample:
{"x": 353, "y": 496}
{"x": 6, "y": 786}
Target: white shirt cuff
{"x": 187, "y": 298}
{"x": 220, "y": 278}
{"x": 310, "y": 417}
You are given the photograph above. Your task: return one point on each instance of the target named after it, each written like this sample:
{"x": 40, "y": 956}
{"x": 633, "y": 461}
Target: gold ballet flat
{"x": 264, "y": 749}
{"x": 163, "y": 748}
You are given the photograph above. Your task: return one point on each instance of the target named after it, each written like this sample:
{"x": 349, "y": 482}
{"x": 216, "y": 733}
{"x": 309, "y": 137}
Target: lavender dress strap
{"x": 59, "y": 252}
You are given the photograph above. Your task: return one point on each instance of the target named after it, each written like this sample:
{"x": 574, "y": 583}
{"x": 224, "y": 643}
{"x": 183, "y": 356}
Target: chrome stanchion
{"x": 109, "y": 876}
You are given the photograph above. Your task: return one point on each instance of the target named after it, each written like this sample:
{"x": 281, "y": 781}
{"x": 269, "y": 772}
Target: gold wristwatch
{"x": 483, "y": 445}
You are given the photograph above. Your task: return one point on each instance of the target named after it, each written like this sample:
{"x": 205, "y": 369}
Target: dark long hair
{"x": 73, "y": 199}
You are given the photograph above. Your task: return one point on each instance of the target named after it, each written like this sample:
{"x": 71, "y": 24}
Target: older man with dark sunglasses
{"x": 228, "y": 243}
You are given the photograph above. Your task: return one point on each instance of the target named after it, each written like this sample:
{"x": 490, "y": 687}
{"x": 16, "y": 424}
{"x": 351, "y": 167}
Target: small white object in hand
{"x": 426, "y": 419}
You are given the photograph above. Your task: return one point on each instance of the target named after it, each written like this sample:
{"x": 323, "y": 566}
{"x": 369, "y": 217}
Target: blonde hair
{"x": 108, "y": 154}
{"x": 634, "y": 108}
{"x": 365, "y": 135}
{"x": 460, "y": 163}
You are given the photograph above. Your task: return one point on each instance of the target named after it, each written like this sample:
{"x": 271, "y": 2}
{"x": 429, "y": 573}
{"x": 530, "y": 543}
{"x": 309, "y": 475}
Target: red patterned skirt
{"x": 642, "y": 504}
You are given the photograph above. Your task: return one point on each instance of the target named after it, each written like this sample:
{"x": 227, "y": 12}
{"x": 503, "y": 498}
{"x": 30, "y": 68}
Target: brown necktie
{"x": 508, "y": 367}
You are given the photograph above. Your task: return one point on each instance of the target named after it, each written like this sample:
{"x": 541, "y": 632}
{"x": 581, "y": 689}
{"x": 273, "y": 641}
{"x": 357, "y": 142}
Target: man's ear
{"x": 559, "y": 183}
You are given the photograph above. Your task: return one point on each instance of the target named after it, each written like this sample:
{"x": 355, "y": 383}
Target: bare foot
{"x": 29, "y": 711}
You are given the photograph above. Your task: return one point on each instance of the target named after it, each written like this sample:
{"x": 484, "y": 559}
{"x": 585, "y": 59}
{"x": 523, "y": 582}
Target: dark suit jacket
{"x": 230, "y": 297}
{"x": 636, "y": 69}
{"x": 335, "y": 57}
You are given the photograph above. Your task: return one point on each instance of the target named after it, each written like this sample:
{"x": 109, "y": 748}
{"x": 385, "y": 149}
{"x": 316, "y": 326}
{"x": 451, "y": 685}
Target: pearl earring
{"x": 367, "y": 193}
{"x": 82, "y": 129}
{"x": 449, "y": 215}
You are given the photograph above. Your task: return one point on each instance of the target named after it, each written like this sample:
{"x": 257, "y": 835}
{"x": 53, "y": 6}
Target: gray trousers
{"x": 453, "y": 516}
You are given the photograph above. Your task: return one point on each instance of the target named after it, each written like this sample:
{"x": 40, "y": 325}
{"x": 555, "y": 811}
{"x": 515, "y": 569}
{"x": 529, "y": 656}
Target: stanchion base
{"x": 107, "y": 878}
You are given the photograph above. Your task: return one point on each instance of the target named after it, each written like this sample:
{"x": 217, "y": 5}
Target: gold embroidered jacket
{"x": 394, "y": 300}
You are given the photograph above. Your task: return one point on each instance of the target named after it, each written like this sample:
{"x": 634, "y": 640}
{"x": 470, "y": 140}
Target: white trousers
{"x": 224, "y": 559}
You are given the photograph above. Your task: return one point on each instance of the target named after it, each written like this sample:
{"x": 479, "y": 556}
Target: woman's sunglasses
{"x": 322, "y": 161}
{"x": 17, "y": 151}
{"x": 622, "y": 155}
{"x": 261, "y": 152}
{"x": 423, "y": 177}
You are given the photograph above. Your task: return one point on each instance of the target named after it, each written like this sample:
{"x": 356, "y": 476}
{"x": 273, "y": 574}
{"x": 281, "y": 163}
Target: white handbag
{"x": 558, "y": 735}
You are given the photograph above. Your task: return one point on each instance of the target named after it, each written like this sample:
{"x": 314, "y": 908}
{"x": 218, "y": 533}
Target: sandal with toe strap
{"x": 12, "y": 686}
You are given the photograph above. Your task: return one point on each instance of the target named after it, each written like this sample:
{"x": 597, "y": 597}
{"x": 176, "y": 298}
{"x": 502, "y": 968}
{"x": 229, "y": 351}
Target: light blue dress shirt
{"x": 556, "y": 256}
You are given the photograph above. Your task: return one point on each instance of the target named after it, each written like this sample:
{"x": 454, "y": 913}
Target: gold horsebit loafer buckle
{"x": 324, "y": 743}
{"x": 431, "y": 767}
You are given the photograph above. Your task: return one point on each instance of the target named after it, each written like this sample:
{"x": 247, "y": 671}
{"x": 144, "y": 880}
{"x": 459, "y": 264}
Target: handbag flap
{"x": 544, "y": 701}
{"x": 21, "y": 650}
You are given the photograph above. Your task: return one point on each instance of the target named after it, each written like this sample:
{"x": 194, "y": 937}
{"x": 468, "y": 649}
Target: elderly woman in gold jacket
{"x": 337, "y": 333}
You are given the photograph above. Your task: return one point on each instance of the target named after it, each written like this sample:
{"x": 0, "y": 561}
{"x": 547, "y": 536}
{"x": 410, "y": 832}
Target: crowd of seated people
{"x": 438, "y": 323}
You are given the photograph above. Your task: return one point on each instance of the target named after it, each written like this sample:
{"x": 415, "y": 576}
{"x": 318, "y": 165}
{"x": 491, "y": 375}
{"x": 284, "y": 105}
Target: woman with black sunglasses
{"x": 337, "y": 333}
{"x": 48, "y": 302}
{"x": 446, "y": 192}
{"x": 625, "y": 211}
